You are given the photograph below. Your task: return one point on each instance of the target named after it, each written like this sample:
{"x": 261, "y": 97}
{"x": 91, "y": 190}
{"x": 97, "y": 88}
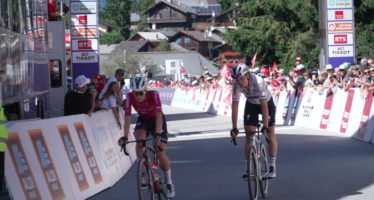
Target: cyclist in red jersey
{"x": 151, "y": 120}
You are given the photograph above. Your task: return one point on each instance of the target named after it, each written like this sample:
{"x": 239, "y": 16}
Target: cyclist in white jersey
{"x": 259, "y": 101}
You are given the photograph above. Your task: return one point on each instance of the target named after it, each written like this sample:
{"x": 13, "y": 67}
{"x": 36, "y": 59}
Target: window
{"x": 178, "y": 41}
{"x": 55, "y": 69}
{"x": 186, "y": 40}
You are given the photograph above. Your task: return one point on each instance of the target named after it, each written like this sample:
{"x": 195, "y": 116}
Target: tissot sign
{"x": 84, "y": 34}
{"x": 340, "y": 32}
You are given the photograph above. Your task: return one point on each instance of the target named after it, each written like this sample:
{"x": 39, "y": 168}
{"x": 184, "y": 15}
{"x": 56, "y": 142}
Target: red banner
{"x": 326, "y": 111}
{"x": 365, "y": 116}
{"x": 347, "y": 111}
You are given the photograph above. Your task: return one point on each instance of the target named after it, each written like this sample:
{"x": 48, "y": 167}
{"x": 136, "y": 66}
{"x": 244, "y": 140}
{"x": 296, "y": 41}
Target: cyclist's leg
{"x": 273, "y": 145}
{"x": 140, "y": 134}
{"x": 251, "y": 113}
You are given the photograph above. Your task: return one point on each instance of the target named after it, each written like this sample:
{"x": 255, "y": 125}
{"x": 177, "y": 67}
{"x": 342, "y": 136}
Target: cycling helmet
{"x": 238, "y": 70}
{"x": 138, "y": 83}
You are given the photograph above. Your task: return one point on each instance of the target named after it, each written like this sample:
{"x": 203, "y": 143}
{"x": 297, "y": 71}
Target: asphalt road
{"x": 311, "y": 164}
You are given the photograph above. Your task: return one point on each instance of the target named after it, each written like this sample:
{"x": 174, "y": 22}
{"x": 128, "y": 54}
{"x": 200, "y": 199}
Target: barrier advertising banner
{"x": 366, "y": 129}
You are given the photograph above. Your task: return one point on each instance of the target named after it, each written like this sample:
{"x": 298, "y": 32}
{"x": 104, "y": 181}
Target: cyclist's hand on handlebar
{"x": 122, "y": 141}
{"x": 264, "y": 130}
{"x": 157, "y": 138}
{"x": 233, "y": 133}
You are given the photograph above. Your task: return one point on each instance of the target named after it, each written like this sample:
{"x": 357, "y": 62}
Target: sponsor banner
{"x": 83, "y": 7}
{"x": 84, "y": 20}
{"x": 339, "y": 15}
{"x": 340, "y": 39}
{"x": 339, "y": 4}
{"x": 84, "y": 32}
{"x": 46, "y": 163}
{"x": 366, "y": 129}
{"x": 336, "y": 61}
{"x": 75, "y": 163}
{"x": 87, "y": 148}
{"x": 85, "y": 57}
{"x": 354, "y": 120}
{"x": 347, "y": 111}
{"x": 22, "y": 168}
{"x": 166, "y": 95}
{"x": 84, "y": 44}
{"x": 341, "y": 51}
{"x": 326, "y": 111}
{"x": 339, "y": 27}
{"x": 337, "y": 110}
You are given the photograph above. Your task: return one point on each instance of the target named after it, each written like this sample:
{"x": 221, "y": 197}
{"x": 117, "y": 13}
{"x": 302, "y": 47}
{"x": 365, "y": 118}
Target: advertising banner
{"x": 347, "y": 111}
{"x": 326, "y": 111}
{"x": 366, "y": 129}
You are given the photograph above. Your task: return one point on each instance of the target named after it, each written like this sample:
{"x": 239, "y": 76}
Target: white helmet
{"x": 138, "y": 83}
{"x": 238, "y": 70}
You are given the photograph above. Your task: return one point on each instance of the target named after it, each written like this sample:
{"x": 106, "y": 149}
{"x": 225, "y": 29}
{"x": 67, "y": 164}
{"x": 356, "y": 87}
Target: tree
{"x": 226, "y": 4}
{"x": 117, "y": 12}
{"x": 364, "y": 27}
{"x": 129, "y": 63}
{"x": 164, "y": 46}
{"x": 110, "y": 38}
{"x": 278, "y": 30}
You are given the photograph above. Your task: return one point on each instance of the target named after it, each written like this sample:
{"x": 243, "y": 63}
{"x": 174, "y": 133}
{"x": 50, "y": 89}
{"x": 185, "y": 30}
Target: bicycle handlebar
{"x": 143, "y": 141}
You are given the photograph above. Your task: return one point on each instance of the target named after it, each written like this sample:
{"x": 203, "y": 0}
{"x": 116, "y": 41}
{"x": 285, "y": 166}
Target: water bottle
{"x": 156, "y": 177}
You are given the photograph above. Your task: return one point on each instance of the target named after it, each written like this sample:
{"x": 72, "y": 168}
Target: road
{"x": 311, "y": 164}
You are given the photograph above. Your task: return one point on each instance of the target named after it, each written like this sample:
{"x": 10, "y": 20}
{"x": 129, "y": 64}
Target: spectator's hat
{"x": 281, "y": 71}
{"x": 342, "y": 67}
{"x": 314, "y": 72}
{"x": 300, "y": 67}
{"x": 328, "y": 67}
{"x": 81, "y": 81}
{"x": 256, "y": 70}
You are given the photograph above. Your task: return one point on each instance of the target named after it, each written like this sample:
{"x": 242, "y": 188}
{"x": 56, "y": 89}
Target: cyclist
{"x": 259, "y": 101}
{"x": 151, "y": 120}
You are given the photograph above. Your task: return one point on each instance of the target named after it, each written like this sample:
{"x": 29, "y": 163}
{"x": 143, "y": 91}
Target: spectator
{"x": 371, "y": 62}
{"x": 308, "y": 82}
{"x": 111, "y": 100}
{"x": 80, "y": 100}
{"x": 298, "y": 61}
{"x": 53, "y": 14}
{"x": 118, "y": 77}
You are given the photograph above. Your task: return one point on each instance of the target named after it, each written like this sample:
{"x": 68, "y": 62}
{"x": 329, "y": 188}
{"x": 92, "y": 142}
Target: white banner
{"x": 85, "y": 57}
{"x": 340, "y": 39}
{"x": 84, "y": 44}
{"x": 339, "y": 3}
{"x": 84, "y": 20}
{"x": 341, "y": 51}
{"x": 83, "y": 7}
{"x": 339, "y": 15}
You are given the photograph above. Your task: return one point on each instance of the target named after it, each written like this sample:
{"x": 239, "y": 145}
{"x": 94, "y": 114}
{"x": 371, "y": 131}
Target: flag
{"x": 254, "y": 60}
{"x": 262, "y": 67}
{"x": 182, "y": 70}
{"x": 275, "y": 68}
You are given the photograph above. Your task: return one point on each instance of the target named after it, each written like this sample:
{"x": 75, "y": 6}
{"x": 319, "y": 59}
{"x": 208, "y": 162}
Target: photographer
{"x": 81, "y": 99}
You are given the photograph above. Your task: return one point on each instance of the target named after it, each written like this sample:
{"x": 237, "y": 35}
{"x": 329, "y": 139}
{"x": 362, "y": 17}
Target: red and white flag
{"x": 275, "y": 68}
{"x": 182, "y": 70}
{"x": 254, "y": 60}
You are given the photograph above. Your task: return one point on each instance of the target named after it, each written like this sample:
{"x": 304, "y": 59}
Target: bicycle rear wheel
{"x": 264, "y": 170}
{"x": 252, "y": 174}
{"x": 145, "y": 181}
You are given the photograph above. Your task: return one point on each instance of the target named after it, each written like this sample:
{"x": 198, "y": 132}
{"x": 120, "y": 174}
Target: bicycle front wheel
{"x": 145, "y": 181}
{"x": 264, "y": 170}
{"x": 252, "y": 174}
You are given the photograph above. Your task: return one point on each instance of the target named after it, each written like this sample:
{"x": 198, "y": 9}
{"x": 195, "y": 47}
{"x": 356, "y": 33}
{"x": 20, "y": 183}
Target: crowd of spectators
{"x": 322, "y": 79}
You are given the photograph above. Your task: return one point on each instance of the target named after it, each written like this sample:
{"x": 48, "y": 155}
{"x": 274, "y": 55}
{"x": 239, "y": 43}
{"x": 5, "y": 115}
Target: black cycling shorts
{"x": 149, "y": 125}
{"x": 253, "y": 110}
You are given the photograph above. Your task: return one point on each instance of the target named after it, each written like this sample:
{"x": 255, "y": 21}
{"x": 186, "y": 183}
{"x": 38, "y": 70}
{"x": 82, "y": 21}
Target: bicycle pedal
{"x": 245, "y": 176}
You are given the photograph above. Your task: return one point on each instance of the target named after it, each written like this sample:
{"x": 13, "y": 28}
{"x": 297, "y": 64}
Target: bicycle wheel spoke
{"x": 264, "y": 167}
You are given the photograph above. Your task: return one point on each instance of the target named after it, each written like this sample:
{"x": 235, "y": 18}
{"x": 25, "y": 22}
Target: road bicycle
{"x": 150, "y": 183}
{"x": 257, "y": 175}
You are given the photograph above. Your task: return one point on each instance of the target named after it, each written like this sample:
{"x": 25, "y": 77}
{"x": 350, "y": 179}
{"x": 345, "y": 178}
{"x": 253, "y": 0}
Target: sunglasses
{"x": 141, "y": 93}
{"x": 236, "y": 76}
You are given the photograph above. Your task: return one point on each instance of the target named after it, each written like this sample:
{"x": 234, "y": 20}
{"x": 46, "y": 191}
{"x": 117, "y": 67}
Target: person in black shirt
{"x": 80, "y": 100}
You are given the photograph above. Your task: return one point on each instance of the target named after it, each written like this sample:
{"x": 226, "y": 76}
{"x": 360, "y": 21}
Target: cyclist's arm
{"x": 235, "y": 105}
{"x": 265, "y": 112}
{"x": 127, "y": 126}
{"x": 158, "y": 122}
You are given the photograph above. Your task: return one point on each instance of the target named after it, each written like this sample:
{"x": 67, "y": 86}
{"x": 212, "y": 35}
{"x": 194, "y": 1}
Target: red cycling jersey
{"x": 146, "y": 109}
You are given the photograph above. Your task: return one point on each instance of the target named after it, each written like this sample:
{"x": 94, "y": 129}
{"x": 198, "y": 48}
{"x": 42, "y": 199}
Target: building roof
{"x": 107, "y": 49}
{"x": 131, "y": 46}
{"x": 198, "y": 35}
{"x": 193, "y": 62}
{"x": 168, "y": 32}
{"x": 151, "y": 36}
{"x": 179, "y": 6}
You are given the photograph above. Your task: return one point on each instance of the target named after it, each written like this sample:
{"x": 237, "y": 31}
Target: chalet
{"x": 181, "y": 15}
{"x": 224, "y": 19}
{"x": 153, "y": 37}
{"x": 198, "y": 41}
{"x": 228, "y": 56}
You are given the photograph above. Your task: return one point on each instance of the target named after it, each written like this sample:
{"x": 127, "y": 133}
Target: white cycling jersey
{"x": 257, "y": 90}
